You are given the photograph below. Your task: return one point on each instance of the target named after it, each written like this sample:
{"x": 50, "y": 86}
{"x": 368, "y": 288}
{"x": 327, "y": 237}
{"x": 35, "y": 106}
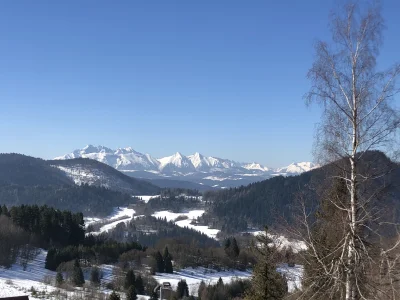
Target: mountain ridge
{"x": 127, "y": 159}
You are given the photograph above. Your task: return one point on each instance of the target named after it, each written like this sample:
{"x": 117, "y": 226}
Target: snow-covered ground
{"x": 293, "y": 276}
{"x": 120, "y": 215}
{"x": 283, "y": 242}
{"x": 17, "y": 282}
{"x": 194, "y": 277}
{"x": 145, "y": 198}
{"x": 191, "y": 215}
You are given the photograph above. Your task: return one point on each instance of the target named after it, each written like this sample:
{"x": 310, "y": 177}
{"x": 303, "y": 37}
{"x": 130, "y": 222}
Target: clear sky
{"x": 224, "y": 78}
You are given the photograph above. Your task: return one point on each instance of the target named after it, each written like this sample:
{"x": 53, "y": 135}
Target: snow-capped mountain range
{"x": 204, "y": 169}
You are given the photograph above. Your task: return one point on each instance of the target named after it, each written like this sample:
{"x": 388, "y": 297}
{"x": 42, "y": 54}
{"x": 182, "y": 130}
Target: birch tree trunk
{"x": 358, "y": 117}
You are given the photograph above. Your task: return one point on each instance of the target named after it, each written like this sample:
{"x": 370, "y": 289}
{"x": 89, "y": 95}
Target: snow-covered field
{"x": 283, "y": 242}
{"x": 191, "y": 215}
{"x": 145, "y": 198}
{"x": 17, "y": 282}
{"x": 194, "y": 277}
{"x": 120, "y": 215}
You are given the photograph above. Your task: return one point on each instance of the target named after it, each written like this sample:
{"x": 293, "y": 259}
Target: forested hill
{"x": 103, "y": 175}
{"x": 270, "y": 201}
{"x": 17, "y": 169}
{"x": 28, "y": 180}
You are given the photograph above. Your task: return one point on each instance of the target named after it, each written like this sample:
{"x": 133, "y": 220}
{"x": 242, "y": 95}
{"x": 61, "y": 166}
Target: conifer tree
{"x": 59, "y": 278}
{"x": 95, "y": 276}
{"x": 168, "y": 265}
{"x": 50, "y": 263}
{"x": 220, "y": 282}
{"x": 159, "y": 262}
{"x": 167, "y": 261}
{"x": 131, "y": 294}
{"x": 77, "y": 274}
{"x": 202, "y": 287}
{"x": 182, "y": 289}
{"x": 114, "y": 296}
{"x": 266, "y": 283}
{"x": 235, "y": 251}
{"x": 129, "y": 279}
{"x": 139, "y": 285}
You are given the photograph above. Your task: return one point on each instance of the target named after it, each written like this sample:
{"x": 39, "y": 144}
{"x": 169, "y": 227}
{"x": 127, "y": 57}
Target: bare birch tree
{"x": 358, "y": 116}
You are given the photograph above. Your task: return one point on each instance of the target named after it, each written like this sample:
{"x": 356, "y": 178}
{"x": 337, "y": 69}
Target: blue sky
{"x": 224, "y": 78}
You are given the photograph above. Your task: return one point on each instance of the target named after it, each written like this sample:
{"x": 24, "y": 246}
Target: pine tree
{"x": 166, "y": 253}
{"x": 266, "y": 283}
{"x": 182, "y": 289}
{"x": 227, "y": 245}
{"x": 129, "y": 279}
{"x": 159, "y": 262}
{"x": 202, "y": 287}
{"x": 235, "y": 251}
{"x": 168, "y": 265}
{"x": 59, "y": 278}
{"x": 114, "y": 296}
{"x": 220, "y": 282}
{"x": 168, "y": 268}
{"x": 139, "y": 285}
{"x": 95, "y": 276}
{"x": 77, "y": 274}
{"x": 50, "y": 263}
{"x": 131, "y": 294}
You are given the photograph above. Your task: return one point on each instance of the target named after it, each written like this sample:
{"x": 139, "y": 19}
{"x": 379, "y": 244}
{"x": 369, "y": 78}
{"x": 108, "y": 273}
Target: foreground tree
{"x": 266, "y": 283}
{"x": 357, "y": 117}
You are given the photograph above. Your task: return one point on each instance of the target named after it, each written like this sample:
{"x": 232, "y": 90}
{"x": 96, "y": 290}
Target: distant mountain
{"x": 296, "y": 168}
{"x": 197, "y": 168}
{"x": 75, "y": 184}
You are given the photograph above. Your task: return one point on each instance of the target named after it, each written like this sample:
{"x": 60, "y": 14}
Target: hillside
{"x": 270, "y": 201}
{"x": 18, "y": 169}
{"x": 77, "y": 185}
{"x": 94, "y": 173}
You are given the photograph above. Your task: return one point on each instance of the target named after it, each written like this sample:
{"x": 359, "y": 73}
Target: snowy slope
{"x": 194, "y": 276}
{"x": 296, "y": 168}
{"x": 191, "y": 216}
{"x": 17, "y": 282}
{"x": 94, "y": 173}
{"x": 120, "y": 215}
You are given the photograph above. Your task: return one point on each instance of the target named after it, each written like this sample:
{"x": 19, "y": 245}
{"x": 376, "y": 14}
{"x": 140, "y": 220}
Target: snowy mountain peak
{"x": 297, "y": 168}
{"x": 256, "y": 166}
{"x": 195, "y": 165}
